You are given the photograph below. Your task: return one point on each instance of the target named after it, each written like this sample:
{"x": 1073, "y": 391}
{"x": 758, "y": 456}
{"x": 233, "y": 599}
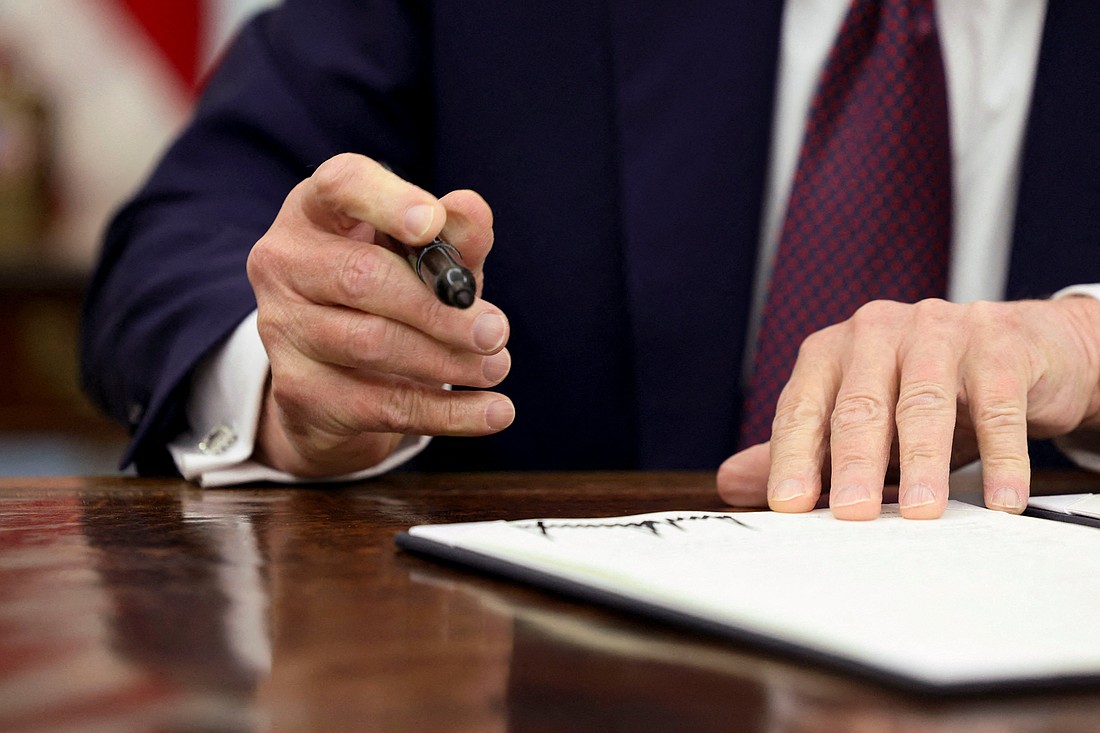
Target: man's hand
{"x": 360, "y": 348}
{"x": 924, "y": 388}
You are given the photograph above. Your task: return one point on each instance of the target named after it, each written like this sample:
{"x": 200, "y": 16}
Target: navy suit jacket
{"x": 623, "y": 147}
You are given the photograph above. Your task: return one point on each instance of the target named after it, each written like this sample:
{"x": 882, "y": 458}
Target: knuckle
{"x": 855, "y": 411}
{"x": 993, "y": 318}
{"x": 262, "y": 261}
{"x": 456, "y": 415}
{"x": 933, "y": 309}
{"x": 919, "y": 452}
{"x": 362, "y": 273}
{"x": 479, "y": 252}
{"x": 998, "y": 416}
{"x": 850, "y": 461}
{"x": 369, "y": 339}
{"x": 291, "y": 393}
{"x": 333, "y": 177}
{"x": 877, "y": 312}
{"x": 984, "y": 310}
{"x": 279, "y": 326}
{"x": 271, "y": 329}
{"x": 924, "y": 398}
{"x": 935, "y": 318}
{"x": 817, "y": 344}
{"x": 795, "y": 416}
{"x": 397, "y": 410}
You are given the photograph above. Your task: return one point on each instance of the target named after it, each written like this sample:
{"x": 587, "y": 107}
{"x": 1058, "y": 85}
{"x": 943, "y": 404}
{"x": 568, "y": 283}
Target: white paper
{"x": 1085, "y": 505}
{"x": 976, "y": 596}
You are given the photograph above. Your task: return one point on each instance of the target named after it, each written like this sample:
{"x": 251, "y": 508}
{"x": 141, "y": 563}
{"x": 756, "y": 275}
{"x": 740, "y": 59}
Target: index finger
{"x": 800, "y": 430}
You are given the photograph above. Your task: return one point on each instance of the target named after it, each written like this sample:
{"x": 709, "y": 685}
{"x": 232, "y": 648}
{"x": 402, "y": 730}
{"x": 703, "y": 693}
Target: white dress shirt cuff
{"x": 224, "y": 411}
{"x": 1083, "y": 446}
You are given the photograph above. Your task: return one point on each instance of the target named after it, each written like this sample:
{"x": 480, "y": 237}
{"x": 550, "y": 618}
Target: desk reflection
{"x": 587, "y": 671}
{"x": 230, "y": 612}
{"x": 132, "y": 605}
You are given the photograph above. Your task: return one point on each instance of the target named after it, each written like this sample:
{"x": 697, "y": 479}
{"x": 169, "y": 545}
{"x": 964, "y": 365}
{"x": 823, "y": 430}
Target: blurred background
{"x": 90, "y": 93}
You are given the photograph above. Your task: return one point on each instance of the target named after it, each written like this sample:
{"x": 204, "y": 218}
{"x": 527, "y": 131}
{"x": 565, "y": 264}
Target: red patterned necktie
{"x": 869, "y": 215}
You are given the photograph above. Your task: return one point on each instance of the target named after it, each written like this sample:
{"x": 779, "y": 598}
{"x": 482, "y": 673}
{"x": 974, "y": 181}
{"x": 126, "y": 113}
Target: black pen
{"x": 437, "y": 266}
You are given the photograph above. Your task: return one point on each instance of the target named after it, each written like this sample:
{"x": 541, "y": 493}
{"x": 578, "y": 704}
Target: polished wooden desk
{"x": 139, "y": 605}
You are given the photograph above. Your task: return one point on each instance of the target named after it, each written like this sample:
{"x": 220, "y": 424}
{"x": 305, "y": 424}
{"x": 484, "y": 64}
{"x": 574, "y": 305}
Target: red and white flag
{"x": 188, "y": 34}
{"x": 119, "y": 77}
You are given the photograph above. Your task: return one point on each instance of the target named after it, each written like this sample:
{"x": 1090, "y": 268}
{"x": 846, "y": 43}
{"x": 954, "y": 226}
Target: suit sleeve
{"x": 306, "y": 81}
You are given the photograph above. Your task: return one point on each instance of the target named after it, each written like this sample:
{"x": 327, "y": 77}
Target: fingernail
{"x": 500, "y": 414}
{"x": 489, "y": 331}
{"x": 495, "y": 367}
{"x": 1005, "y": 499}
{"x": 418, "y": 219}
{"x": 917, "y": 495}
{"x": 849, "y": 495}
{"x": 788, "y": 489}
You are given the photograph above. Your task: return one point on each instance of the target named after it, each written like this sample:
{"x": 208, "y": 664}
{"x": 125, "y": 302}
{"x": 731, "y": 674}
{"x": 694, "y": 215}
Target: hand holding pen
{"x": 360, "y": 348}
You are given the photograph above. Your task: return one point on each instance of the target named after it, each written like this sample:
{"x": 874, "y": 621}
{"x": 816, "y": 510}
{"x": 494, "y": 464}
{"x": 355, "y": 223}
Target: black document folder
{"x": 976, "y": 601}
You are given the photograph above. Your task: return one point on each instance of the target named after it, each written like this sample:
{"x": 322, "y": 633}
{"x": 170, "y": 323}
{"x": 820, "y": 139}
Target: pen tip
{"x": 463, "y": 298}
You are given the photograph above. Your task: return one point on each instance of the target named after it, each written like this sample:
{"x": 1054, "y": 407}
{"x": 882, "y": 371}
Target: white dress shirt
{"x": 990, "y": 52}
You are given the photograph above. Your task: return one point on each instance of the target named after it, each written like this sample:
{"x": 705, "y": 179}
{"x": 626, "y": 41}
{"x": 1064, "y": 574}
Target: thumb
{"x": 743, "y": 477}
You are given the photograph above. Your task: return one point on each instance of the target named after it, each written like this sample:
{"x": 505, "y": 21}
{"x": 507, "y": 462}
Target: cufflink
{"x": 134, "y": 412}
{"x": 217, "y": 441}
